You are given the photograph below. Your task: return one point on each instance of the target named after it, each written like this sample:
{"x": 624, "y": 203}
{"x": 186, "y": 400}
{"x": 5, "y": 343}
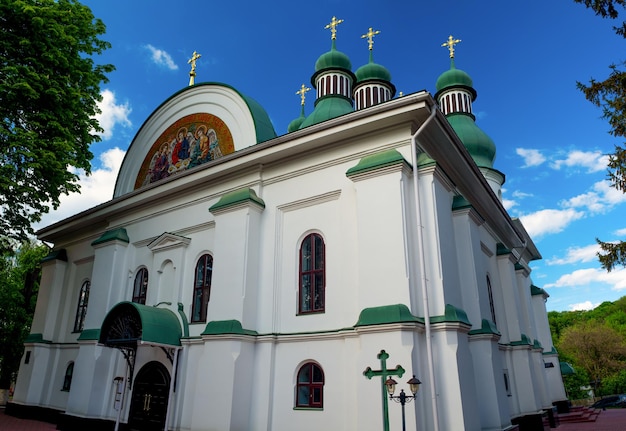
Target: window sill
{"x": 309, "y": 408}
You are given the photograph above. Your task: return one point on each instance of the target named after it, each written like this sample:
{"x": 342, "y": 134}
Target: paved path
{"x": 609, "y": 420}
{"x": 10, "y": 423}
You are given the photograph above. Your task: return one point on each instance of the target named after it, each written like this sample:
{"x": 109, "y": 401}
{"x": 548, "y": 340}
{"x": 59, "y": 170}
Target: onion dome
{"x": 455, "y": 94}
{"x": 333, "y": 59}
{"x": 295, "y": 124}
{"x": 454, "y": 78}
{"x": 373, "y": 81}
{"x": 477, "y": 142}
{"x": 372, "y": 70}
{"x": 333, "y": 80}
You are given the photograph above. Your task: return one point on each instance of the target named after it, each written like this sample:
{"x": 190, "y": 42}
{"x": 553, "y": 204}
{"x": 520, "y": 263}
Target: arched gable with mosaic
{"x": 189, "y": 142}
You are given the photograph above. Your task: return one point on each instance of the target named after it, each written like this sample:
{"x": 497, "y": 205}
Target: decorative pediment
{"x": 168, "y": 241}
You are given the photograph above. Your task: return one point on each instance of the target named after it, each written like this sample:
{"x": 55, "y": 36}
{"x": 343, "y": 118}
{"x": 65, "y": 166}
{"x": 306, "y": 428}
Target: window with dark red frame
{"x": 312, "y": 275}
{"x": 202, "y": 288}
{"x": 310, "y": 386}
{"x": 81, "y": 309}
{"x": 141, "y": 286}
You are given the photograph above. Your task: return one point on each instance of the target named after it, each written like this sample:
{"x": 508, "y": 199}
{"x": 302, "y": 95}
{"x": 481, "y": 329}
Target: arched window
{"x": 67, "y": 379}
{"x": 310, "y": 386}
{"x": 492, "y": 308}
{"x": 202, "y": 288}
{"x": 141, "y": 286}
{"x": 81, "y": 309}
{"x": 312, "y": 275}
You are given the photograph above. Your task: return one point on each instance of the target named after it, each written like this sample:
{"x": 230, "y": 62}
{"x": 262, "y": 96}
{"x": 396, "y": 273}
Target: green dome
{"x": 295, "y": 124}
{"x": 333, "y": 59}
{"x": 453, "y": 78}
{"x": 326, "y": 108}
{"x": 372, "y": 71}
{"x": 478, "y": 143}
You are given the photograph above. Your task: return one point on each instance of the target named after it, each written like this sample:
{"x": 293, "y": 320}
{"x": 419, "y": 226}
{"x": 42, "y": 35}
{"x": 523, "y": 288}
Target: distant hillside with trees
{"x": 594, "y": 343}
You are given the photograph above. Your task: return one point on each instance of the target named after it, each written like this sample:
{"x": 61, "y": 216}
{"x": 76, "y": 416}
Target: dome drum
{"x": 455, "y": 100}
{"x": 333, "y": 82}
{"x": 371, "y": 93}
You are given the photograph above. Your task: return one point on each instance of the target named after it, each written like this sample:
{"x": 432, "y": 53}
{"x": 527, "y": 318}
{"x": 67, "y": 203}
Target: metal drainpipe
{"x": 423, "y": 279}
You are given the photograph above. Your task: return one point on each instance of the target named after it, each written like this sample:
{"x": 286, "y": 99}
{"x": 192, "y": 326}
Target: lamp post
{"x": 403, "y": 398}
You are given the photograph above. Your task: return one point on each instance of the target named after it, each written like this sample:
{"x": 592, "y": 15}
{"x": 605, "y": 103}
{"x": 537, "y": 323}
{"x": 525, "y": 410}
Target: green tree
{"x": 19, "y": 283}
{"x": 49, "y": 89}
{"x": 610, "y": 95}
{"x": 596, "y": 348}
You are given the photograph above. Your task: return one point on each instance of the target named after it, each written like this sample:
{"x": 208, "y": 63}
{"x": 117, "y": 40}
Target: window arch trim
{"x": 309, "y": 387}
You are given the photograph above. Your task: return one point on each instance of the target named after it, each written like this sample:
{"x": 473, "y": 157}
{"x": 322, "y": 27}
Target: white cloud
{"x": 162, "y": 58}
{"x": 583, "y": 306}
{"x": 111, "y": 114}
{"x": 593, "y": 161}
{"x": 620, "y": 232}
{"x": 585, "y": 277}
{"x": 94, "y": 189}
{"x": 508, "y": 203}
{"x": 531, "y": 157}
{"x": 601, "y": 198}
{"x": 549, "y": 221}
{"x": 576, "y": 255}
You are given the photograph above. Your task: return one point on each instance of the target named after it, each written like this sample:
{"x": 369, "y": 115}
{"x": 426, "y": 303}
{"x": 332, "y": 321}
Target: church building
{"x": 245, "y": 280}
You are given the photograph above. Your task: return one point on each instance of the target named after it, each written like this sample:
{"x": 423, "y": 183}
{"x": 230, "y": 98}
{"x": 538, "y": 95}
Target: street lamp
{"x": 403, "y": 398}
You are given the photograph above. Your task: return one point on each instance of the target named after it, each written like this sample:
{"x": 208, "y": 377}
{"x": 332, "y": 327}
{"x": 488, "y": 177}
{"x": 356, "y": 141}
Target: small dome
{"x": 326, "y": 108}
{"x": 333, "y": 59}
{"x": 295, "y": 124}
{"x": 372, "y": 70}
{"x": 453, "y": 78}
{"x": 480, "y": 146}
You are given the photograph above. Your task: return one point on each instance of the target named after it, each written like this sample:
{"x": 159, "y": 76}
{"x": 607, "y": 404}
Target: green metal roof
{"x": 376, "y": 161}
{"x": 158, "y": 325}
{"x": 386, "y": 314}
{"x": 328, "y": 107}
{"x": 477, "y": 142}
{"x": 113, "y": 235}
{"x": 236, "y": 197}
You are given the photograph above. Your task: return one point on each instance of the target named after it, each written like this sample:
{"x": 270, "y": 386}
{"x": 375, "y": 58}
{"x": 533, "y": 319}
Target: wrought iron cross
{"x": 384, "y": 373}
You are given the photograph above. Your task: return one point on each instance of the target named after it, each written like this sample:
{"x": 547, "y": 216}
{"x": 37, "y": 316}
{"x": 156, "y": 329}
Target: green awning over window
{"x": 128, "y": 324}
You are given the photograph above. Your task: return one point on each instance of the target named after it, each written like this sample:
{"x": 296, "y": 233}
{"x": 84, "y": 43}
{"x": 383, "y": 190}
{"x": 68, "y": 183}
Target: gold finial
{"x": 370, "y": 37}
{"x": 333, "y": 27}
{"x": 302, "y": 92}
{"x": 401, "y": 94}
{"x": 450, "y": 44}
{"x": 192, "y": 61}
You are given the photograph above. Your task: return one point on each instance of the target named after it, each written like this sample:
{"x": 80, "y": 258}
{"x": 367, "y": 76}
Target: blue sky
{"x": 524, "y": 59}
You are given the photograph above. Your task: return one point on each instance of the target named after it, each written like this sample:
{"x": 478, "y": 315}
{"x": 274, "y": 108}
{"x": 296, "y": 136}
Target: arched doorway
{"x": 148, "y": 406}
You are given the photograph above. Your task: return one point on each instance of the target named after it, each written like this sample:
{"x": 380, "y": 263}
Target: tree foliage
{"x": 49, "y": 89}
{"x": 596, "y": 348}
{"x": 610, "y": 95}
{"x": 19, "y": 284}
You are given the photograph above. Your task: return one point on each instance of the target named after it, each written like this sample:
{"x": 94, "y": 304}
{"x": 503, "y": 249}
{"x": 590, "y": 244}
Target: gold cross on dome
{"x": 333, "y": 27}
{"x": 450, "y": 44}
{"x": 370, "y": 37}
{"x": 192, "y": 61}
{"x": 302, "y": 92}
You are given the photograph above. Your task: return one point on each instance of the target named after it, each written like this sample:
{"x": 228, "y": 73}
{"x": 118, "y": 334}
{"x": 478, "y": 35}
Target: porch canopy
{"x": 128, "y": 324}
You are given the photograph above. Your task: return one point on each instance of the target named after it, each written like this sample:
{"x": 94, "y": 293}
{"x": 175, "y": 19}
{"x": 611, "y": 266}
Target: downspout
{"x": 423, "y": 279}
